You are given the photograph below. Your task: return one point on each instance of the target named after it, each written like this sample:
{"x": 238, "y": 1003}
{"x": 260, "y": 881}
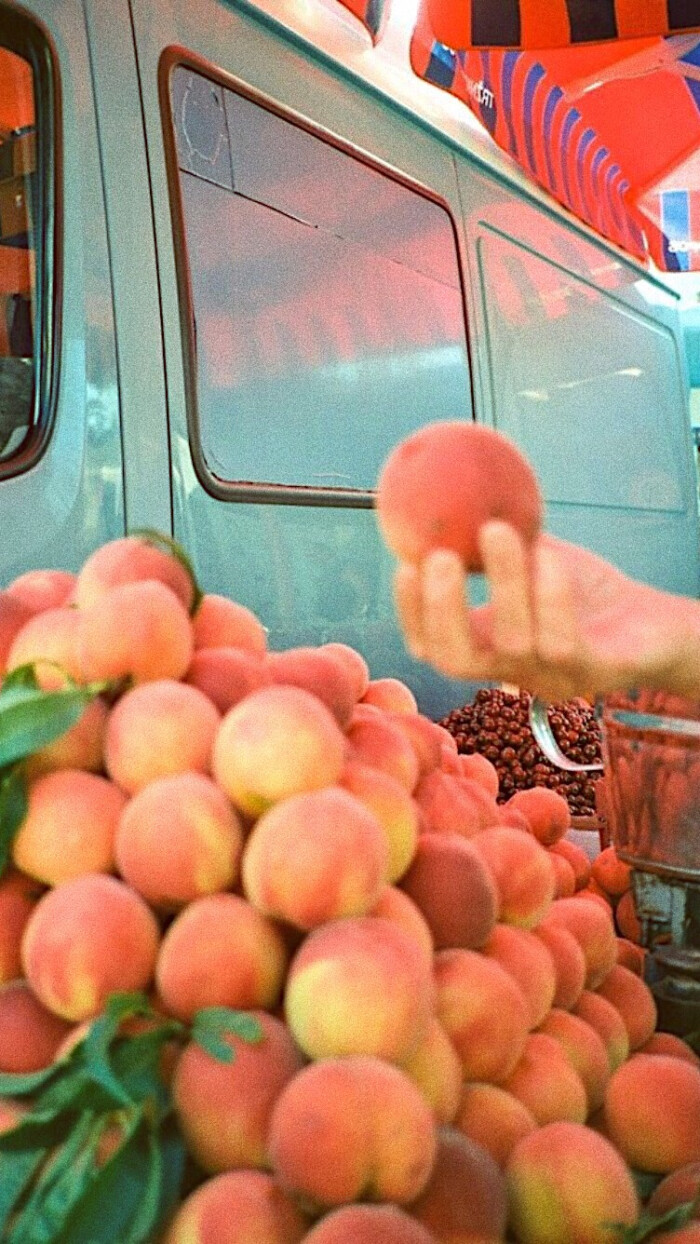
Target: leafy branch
{"x": 98, "y": 1157}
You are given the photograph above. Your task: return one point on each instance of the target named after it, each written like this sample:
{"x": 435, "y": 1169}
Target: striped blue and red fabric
{"x": 541, "y": 24}
{"x": 372, "y": 13}
{"x": 598, "y": 126}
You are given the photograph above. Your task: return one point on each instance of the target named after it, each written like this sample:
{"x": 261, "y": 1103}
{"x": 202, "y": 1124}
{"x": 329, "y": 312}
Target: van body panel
{"x": 584, "y": 369}
{"x": 273, "y": 271}
{"x": 142, "y": 389}
{"x": 72, "y": 499}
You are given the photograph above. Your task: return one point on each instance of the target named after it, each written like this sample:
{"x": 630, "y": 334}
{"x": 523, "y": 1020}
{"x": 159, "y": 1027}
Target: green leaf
{"x": 213, "y": 1023}
{"x": 59, "y": 1186}
{"x": 22, "y": 676}
{"x": 645, "y": 1183}
{"x": 174, "y": 1162}
{"x": 15, "y": 1084}
{"x": 136, "y": 1062}
{"x": 166, "y": 543}
{"x": 146, "y": 1216}
{"x": 95, "y": 1047}
{"x": 31, "y": 718}
{"x": 13, "y": 809}
{"x": 110, "y": 1203}
{"x": 17, "y": 1173}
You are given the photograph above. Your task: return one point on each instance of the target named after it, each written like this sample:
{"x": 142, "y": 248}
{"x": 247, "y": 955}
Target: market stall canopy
{"x": 598, "y": 101}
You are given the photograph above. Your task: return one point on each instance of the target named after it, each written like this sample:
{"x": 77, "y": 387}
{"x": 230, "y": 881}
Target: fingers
{"x": 408, "y": 594}
{"x": 506, "y": 566}
{"x": 433, "y": 610}
{"x": 559, "y": 641}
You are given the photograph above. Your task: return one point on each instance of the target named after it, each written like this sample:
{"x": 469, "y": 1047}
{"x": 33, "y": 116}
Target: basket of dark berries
{"x": 497, "y": 725}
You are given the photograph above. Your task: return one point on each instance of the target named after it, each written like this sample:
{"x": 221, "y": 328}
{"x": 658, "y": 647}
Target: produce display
{"x": 279, "y": 964}
{"x": 497, "y": 725}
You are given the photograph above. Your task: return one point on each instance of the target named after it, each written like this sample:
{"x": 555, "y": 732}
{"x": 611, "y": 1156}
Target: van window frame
{"x": 27, "y": 37}
{"x": 174, "y": 57}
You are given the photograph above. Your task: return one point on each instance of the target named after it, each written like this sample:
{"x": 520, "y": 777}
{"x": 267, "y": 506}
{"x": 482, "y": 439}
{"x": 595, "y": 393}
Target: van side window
{"x": 327, "y": 314}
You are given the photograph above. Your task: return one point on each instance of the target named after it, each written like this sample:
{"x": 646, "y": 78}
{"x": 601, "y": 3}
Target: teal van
{"x": 241, "y": 257}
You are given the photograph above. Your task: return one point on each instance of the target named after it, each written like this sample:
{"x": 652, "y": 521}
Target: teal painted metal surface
{"x": 328, "y": 294}
{"x": 72, "y": 499}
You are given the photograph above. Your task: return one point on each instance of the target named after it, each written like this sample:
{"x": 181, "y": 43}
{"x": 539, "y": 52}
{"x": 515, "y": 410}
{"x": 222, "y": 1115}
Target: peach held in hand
{"x": 440, "y": 484}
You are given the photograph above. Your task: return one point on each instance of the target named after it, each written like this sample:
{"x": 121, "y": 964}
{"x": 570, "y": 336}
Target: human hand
{"x": 560, "y": 621}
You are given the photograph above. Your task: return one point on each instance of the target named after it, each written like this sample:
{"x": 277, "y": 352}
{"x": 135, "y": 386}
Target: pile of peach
{"x": 453, "y": 1049}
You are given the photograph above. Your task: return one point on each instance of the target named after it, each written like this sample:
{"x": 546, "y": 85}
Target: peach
{"x": 547, "y": 813}
{"x": 43, "y": 589}
{"x": 494, "y": 1118}
{"x": 393, "y": 807}
{"x": 483, "y": 1012}
{"x": 13, "y": 615}
{"x": 669, "y": 1043}
{"x": 86, "y": 939}
{"x": 476, "y": 768}
{"x": 631, "y": 956}
{"x": 608, "y": 1023}
{"x": 222, "y": 623}
{"x": 546, "y": 1083}
{"x": 18, "y": 897}
{"x": 626, "y": 918}
{"x": 442, "y": 482}
{"x": 391, "y": 694}
{"x": 359, "y": 986}
{"x": 394, "y": 904}
{"x": 565, "y": 877}
{"x": 594, "y": 930}
{"x": 321, "y": 673}
{"x": 227, "y": 675}
{"x": 435, "y": 1067}
{"x": 464, "y": 1201}
{"x": 354, "y": 663}
{"x": 315, "y": 857}
{"x": 633, "y": 998}
{"x": 690, "y": 1234}
{"x": 585, "y": 1050}
{"x": 79, "y": 747}
{"x": 523, "y": 874}
{"x": 424, "y": 735}
{"x": 224, "y": 1109}
{"x": 29, "y": 1033}
{"x": 454, "y": 805}
{"x": 569, "y": 963}
{"x": 678, "y": 1188}
{"x": 69, "y": 827}
{"x": 375, "y": 740}
{"x": 576, "y": 857}
{"x": 450, "y": 884}
{"x": 127, "y": 560}
{"x": 368, "y": 1224}
{"x": 612, "y": 874}
{"x": 140, "y": 631}
{"x": 277, "y": 742}
{"x": 596, "y": 894}
{"x": 220, "y": 951}
{"x": 178, "y": 839}
{"x": 530, "y": 964}
{"x": 652, "y": 1112}
{"x": 11, "y": 1113}
{"x": 238, "y": 1207}
{"x": 49, "y": 641}
{"x": 513, "y": 818}
{"x": 349, "y": 1128}
{"x": 159, "y": 729}
{"x": 568, "y": 1185}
